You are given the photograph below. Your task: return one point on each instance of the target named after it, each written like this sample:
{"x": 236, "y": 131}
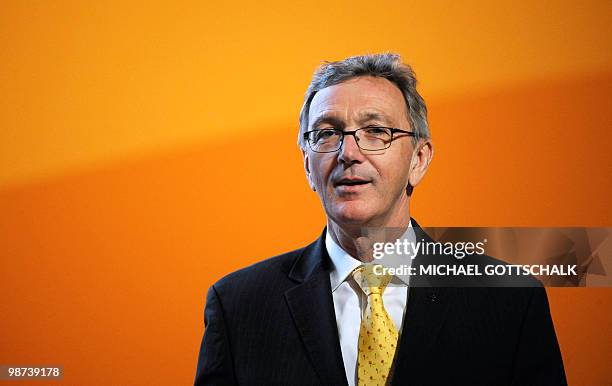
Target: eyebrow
{"x": 340, "y": 124}
{"x": 373, "y": 116}
{"x": 335, "y": 122}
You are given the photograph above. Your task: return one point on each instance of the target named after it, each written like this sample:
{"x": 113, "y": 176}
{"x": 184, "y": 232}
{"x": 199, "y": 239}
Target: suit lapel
{"x": 426, "y": 311}
{"x": 311, "y": 305}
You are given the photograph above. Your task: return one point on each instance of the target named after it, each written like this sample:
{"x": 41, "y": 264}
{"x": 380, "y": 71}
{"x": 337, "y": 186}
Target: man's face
{"x": 358, "y": 186}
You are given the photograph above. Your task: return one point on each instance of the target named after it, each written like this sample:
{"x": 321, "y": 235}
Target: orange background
{"x": 148, "y": 149}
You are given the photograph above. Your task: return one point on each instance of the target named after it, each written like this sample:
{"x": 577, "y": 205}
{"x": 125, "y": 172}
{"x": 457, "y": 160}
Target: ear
{"x": 421, "y": 158}
{"x": 307, "y": 170}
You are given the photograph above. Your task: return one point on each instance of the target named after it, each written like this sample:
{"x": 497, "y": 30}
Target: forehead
{"x": 360, "y": 99}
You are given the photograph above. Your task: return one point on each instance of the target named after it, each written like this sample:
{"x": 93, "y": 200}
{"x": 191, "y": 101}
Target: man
{"x": 317, "y": 315}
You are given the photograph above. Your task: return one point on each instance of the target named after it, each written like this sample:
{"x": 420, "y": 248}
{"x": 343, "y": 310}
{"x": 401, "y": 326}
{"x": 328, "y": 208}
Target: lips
{"x": 348, "y": 182}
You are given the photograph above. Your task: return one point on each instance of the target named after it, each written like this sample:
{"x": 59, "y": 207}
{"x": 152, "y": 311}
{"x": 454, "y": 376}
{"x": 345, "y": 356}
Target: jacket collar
{"x": 315, "y": 256}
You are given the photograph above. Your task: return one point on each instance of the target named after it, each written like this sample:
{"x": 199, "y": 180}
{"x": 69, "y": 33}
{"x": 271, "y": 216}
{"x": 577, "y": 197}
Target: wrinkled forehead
{"x": 359, "y": 101}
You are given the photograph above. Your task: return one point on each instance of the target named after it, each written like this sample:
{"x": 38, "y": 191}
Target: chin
{"x": 352, "y": 212}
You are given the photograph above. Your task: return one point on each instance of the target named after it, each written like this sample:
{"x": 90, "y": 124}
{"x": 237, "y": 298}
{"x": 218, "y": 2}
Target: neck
{"x": 358, "y": 239}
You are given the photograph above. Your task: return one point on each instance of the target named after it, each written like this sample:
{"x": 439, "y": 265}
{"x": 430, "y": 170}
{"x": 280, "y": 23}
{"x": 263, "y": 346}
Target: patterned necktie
{"x": 377, "y": 334}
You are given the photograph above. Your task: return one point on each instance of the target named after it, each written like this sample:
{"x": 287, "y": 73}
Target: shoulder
{"x": 499, "y": 273}
{"x": 502, "y": 289}
{"x": 473, "y": 271}
{"x": 259, "y": 277}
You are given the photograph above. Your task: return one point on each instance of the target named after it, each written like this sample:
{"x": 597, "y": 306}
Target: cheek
{"x": 393, "y": 174}
{"x": 320, "y": 168}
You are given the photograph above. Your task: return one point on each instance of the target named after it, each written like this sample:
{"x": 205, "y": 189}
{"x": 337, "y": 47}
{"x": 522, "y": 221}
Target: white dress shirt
{"x": 350, "y": 301}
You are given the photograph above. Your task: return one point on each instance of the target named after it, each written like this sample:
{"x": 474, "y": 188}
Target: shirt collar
{"x": 344, "y": 263}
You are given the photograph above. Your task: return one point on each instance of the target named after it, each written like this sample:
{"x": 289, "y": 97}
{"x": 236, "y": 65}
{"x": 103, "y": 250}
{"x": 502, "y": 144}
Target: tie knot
{"x": 369, "y": 281}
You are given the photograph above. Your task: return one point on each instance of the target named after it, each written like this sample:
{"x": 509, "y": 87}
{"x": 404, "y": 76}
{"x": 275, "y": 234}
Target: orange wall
{"x": 130, "y": 178}
{"x": 85, "y": 83}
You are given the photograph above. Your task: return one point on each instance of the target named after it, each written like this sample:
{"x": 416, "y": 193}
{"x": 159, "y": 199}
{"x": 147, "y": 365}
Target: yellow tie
{"x": 377, "y": 334}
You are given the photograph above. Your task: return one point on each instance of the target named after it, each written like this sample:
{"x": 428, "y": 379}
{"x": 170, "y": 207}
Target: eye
{"x": 376, "y": 131}
{"x": 325, "y": 134}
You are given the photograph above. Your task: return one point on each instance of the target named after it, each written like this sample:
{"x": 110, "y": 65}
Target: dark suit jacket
{"x": 273, "y": 323}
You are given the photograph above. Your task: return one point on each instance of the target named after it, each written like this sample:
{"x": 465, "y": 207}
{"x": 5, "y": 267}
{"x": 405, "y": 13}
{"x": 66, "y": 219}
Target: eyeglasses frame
{"x": 353, "y": 133}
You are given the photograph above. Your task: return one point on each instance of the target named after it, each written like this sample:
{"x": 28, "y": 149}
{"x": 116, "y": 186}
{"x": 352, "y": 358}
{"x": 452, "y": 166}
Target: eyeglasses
{"x": 370, "y": 138}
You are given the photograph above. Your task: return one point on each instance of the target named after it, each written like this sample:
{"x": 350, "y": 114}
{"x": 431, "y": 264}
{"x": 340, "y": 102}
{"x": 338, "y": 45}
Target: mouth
{"x": 351, "y": 183}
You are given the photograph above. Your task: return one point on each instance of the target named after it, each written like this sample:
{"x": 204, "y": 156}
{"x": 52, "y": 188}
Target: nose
{"x": 349, "y": 152}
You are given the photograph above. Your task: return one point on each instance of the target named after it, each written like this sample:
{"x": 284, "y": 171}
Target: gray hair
{"x": 388, "y": 66}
